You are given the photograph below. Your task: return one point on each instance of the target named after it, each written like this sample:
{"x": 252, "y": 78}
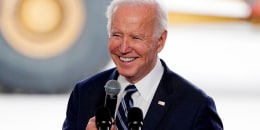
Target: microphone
{"x": 135, "y": 119}
{"x": 103, "y": 119}
{"x": 112, "y": 89}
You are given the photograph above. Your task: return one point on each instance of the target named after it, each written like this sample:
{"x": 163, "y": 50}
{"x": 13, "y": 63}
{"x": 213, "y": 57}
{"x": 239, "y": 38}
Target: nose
{"x": 124, "y": 46}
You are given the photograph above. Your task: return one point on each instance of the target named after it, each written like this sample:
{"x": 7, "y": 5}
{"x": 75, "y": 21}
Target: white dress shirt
{"x": 146, "y": 88}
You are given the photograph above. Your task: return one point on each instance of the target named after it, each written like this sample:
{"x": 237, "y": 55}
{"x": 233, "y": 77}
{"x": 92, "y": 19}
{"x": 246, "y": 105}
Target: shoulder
{"x": 181, "y": 87}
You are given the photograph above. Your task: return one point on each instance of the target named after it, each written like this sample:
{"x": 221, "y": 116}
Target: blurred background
{"x": 46, "y": 46}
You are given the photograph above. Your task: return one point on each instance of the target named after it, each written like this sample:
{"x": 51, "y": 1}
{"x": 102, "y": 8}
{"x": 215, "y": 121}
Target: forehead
{"x": 136, "y": 10}
{"x": 134, "y": 14}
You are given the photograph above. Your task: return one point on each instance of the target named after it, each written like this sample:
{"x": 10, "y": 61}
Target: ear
{"x": 161, "y": 41}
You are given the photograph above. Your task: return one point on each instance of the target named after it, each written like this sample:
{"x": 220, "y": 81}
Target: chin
{"x": 125, "y": 73}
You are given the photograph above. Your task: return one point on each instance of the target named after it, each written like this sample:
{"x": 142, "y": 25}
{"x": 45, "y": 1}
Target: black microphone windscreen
{"x": 103, "y": 118}
{"x": 135, "y": 118}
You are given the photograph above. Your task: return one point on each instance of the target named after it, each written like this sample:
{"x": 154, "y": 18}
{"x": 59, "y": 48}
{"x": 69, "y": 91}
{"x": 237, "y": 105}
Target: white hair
{"x": 161, "y": 15}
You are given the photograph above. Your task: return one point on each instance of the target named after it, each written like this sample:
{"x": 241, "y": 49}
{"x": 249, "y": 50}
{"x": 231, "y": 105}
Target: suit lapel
{"x": 160, "y": 103}
{"x": 157, "y": 109}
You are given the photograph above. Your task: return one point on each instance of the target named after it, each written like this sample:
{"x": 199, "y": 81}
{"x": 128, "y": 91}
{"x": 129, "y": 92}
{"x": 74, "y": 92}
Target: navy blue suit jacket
{"x": 186, "y": 107}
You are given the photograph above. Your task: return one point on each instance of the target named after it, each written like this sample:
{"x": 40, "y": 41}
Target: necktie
{"x": 125, "y": 105}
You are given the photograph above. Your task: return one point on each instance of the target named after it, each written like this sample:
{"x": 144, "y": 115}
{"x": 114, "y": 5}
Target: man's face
{"x": 132, "y": 42}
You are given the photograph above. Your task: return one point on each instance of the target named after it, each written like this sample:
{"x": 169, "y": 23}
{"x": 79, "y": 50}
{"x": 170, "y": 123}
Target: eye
{"x": 136, "y": 38}
{"x": 115, "y": 35}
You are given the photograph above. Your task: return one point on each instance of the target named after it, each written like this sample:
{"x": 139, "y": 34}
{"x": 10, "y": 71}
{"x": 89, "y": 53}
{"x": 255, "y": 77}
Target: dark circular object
{"x": 103, "y": 118}
{"x": 58, "y": 73}
{"x": 135, "y": 119}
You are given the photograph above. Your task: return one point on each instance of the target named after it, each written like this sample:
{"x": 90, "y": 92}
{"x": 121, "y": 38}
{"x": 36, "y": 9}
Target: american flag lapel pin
{"x": 162, "y": 103}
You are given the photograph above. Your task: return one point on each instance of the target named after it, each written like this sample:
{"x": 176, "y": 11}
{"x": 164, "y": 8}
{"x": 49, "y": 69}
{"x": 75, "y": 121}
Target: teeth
{"x": 126, "y": 59}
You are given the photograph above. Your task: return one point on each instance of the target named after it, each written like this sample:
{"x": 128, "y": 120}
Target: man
{"x": 137, "y": 33}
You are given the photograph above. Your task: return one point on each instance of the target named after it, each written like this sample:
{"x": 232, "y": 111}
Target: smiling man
{"x": 137, "y": 33}
{"x": 133, "y": 42}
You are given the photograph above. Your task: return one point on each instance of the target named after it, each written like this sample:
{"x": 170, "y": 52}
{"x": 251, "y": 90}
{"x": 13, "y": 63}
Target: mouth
{"x": 127, "y": 59}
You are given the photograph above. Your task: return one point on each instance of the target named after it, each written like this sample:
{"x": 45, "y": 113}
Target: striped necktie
{"x": 124, "y": 107}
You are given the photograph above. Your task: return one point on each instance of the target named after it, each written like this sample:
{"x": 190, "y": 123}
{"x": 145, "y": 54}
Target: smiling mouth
{"x": 127, "y": 59}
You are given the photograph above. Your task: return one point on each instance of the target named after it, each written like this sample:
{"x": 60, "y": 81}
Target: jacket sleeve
{"x": 70, "y": 122}
{"x": 207, "y": 117}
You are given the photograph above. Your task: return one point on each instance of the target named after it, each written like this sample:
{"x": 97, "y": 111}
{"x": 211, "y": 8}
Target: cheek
{"x": 150, "y": 49}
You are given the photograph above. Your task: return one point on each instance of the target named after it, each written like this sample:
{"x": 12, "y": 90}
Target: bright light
{"x": 218, "y": 57}
{"x": 225, "y": 8}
